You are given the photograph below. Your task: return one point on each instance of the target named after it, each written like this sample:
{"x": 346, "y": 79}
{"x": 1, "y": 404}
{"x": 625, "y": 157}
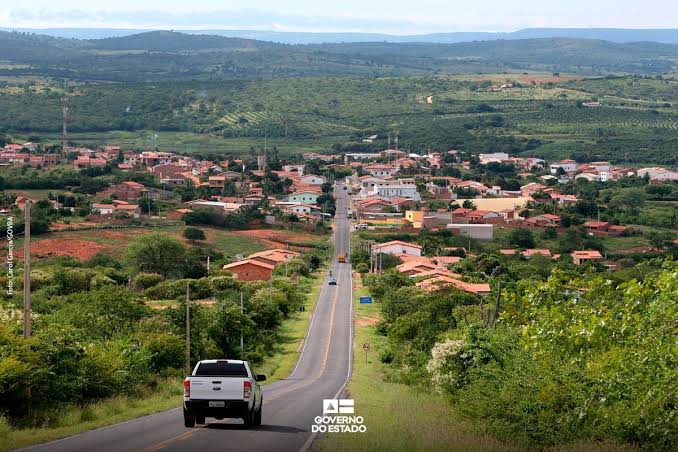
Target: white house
{"x": 494, "y": 190}
{"x": 397, "y": 247}
{"x": 494, "y": 157}
{"x": 294, "y": 168}
{"x": 103, "y": 209}
{"x": 404, "y": 191}
{"x": 380, "y": 170}
{"x": 587, "y": 176}
{"x": 312, "y": 179}
{"x": 657, "y": 173}
{"x": 305, "y": 197}
{"x": 569, "y": 166}
{"x": 299, "y": 208}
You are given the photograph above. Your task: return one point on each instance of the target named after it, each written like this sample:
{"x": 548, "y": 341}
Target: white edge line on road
{"x": 105, "y": 427}
{"x": 313, "y": 436}
{"x": 308, "y": 330}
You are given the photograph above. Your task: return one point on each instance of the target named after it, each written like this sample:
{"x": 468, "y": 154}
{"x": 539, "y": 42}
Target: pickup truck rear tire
{"x": 248, "y": 420}
{"x": 189, "y": 420}
{"x": 257, "y": 416}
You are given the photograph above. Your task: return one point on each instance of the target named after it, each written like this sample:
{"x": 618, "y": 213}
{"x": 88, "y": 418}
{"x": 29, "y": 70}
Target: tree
{"x": 630, "y": 198}
{"x": 550, "y": 233}
{"x": 468, "y": 204}
{"x": 156, "y": 253}
{"x": 522, "y": 238}
{"x": 193, "y": 234}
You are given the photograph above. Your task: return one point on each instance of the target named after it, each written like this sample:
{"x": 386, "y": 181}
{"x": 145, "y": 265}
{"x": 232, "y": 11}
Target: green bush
{"x": 144, "y": 281}
{"x": 166, "y": 350}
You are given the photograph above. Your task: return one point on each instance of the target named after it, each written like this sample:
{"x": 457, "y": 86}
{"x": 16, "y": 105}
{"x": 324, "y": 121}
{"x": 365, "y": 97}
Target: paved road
{"x": 289, "y": 405}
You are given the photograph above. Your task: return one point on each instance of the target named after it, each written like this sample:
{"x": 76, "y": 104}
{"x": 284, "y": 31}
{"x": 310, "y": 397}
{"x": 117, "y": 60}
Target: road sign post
{"x": 366, "y": 347}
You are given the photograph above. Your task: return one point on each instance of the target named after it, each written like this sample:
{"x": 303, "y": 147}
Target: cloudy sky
{"x": 388, "y": 16}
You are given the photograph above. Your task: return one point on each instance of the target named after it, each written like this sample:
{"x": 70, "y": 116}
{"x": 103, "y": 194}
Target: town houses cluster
{"x": 171, "y": 170}
{"x": 392, "y": 190}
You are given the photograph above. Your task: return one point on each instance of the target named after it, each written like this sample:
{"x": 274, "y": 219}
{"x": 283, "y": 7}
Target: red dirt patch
{"x": 367, "y": 321}
{"x": 273, "y": 237}
{"x": 79, "y": 249}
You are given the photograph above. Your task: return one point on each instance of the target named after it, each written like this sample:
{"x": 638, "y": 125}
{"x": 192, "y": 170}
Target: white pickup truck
{"x": 223, "y": 388}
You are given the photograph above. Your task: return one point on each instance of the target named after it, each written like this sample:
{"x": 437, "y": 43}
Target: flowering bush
{"x": 446, "y": 364}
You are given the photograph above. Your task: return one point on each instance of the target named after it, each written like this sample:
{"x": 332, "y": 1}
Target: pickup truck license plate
{"x": 217, "y": 404}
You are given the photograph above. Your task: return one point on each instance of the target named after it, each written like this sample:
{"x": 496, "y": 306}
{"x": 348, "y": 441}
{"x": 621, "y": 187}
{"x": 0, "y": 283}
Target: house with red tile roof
{"x": 438, "y": 283}
{"x": 446, "y": 260}
{"x": 415, "y": 268}
{"x": 177, "y": 214}
{"x": 396, "y": 247}
{"x": 581, "y": 257}
{"x": 274, "y": 257}
{"x": 603, "y": 228}
{"x": 89, "y": 162}
{"x": 250, "y": 270}
{"x": 532, "y": 252}
{"x": 545, "y": 220}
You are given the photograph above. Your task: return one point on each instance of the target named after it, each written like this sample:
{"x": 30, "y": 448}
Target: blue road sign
{"x": 365, "y": 300}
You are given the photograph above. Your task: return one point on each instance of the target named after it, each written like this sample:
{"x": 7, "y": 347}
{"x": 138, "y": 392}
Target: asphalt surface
{"x": 290, "y": 405}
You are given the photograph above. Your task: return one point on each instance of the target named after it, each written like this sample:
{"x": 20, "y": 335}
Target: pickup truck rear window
{"x": 221, "y": 369}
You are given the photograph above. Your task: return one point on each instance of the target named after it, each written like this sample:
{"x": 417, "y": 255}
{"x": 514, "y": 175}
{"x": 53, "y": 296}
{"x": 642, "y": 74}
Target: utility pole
{"x": 27, "y": 269}
{"x": 188, "y": 329}
{"x": 496, "y": 306}
{"x": 64, "y": 110}
{"x": 208, "y": 263}
{"x": 242, "y": 311}
{"x": 270, "y": 289}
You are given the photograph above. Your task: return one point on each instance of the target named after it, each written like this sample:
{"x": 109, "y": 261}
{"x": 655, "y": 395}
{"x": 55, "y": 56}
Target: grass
{"x": 74, "y": 420}
{"x": 398, "y": 417}
{"x": 199, "y": 143}
{"x": 232, "y": 244}
{"x": 292, "y": 334}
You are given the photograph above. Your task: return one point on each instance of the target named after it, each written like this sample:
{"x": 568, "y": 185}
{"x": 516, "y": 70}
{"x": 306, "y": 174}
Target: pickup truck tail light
{"x": 247, "y": 389}
{"x": 187, "y": 388}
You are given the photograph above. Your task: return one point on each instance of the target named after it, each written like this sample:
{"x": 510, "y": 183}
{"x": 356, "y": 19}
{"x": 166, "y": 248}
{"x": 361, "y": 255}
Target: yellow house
{"x": 415, "y": 217}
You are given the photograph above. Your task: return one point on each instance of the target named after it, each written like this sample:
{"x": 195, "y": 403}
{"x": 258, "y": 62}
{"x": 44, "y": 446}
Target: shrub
{"x": 194, "y": 234}
{"x": 166, "y": 350}
{"x": 99, "y": 281}
{"x": 362, "y": 268}
{"x": 143, "y": 281}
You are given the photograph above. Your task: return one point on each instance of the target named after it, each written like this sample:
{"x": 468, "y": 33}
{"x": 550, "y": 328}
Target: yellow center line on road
{"x": 278, "y": 393}
{"x": 169, "y": 441}
{"x": 329, "y": 339}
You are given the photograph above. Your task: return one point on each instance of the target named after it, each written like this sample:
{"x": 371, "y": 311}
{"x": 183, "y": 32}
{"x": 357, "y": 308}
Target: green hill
{"x": 167, "y": 55}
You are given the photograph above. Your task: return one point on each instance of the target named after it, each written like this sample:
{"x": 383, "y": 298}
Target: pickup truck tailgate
{"x": 216, "y": 388}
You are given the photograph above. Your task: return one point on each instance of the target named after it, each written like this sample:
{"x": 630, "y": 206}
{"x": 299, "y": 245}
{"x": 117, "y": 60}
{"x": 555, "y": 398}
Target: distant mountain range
{"x": 169, "y": 55}
{"x": 618, "y": 35}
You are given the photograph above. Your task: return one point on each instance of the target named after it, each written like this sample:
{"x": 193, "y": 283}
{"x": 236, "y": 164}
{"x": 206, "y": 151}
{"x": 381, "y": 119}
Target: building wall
{"x": 307, "y": 198}
{"x": 400, "y": 249}
{"x": 249, "y": 272}
{"x": 475, "y": 231}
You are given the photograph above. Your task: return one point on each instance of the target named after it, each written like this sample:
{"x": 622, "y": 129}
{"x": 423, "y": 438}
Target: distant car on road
{"x": 341, "y": 258}
{"x": 362, "y": 226}
{"x": 332, "y": 281}
{"x": 223, "y": 388}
